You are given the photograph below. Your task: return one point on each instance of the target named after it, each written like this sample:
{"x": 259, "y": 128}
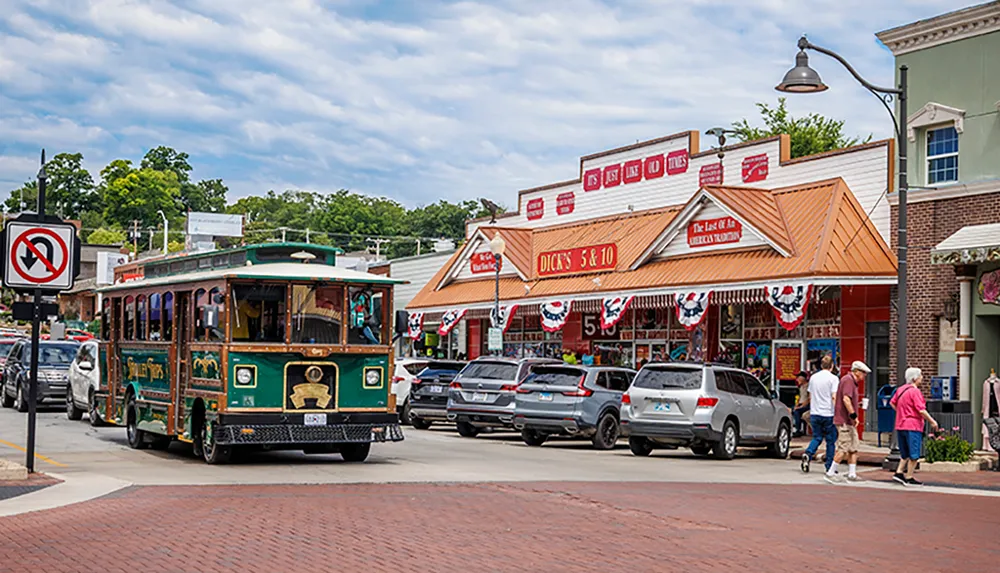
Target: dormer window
{"x": 942, "y": 155}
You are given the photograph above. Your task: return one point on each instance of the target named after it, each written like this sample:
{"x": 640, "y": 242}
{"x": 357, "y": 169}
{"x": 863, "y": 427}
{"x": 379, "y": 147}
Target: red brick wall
{"x": 929, "y": 223}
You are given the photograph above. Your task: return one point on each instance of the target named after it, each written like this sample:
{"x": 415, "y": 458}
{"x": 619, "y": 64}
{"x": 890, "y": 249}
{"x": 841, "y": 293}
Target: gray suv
{"x": 482, "y": 395}
{"x": 706, "y": 408}
{"x": 571, "y": 401}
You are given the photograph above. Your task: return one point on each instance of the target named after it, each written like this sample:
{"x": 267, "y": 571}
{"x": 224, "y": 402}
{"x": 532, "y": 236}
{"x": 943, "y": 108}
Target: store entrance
{"x": 878, "y": 360}
{"x": 650, "y": 351}
{"x": 788, "y": 360}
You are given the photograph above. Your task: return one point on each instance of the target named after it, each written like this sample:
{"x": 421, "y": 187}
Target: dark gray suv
{"x": 571, "y": 401}
{"x": 482, "y": 395}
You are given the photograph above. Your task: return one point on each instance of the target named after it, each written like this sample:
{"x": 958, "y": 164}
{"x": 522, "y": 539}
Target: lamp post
{"x": 166, "y": 227}
{"x": 497, "y": 247}
{"x": 803, "y": 79}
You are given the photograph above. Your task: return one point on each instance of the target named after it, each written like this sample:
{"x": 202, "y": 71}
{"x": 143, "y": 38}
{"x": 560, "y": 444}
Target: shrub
{"x": 948, "y": 446}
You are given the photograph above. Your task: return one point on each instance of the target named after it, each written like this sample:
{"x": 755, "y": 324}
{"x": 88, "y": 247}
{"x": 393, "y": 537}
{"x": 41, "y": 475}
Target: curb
{"x": 73, "y": 489}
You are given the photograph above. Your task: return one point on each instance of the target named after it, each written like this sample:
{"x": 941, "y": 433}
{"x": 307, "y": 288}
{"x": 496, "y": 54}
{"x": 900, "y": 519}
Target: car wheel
{"x": 533, "y": 438}
{"x": 72, "y": 412}
{"x": 355, "y": 452}
{"x": 701, "y": 450}
{"x": 212, "y": 452}
{"x": 20, "y": 400}
{"x": 606, "y": 435}
{"x": 136, "y": 437}
{"x": 640, "y": 446}
{"x": 419, "y": 423}
{"x": 467, "y": 430}
{"x": 92, "y": 413}
{"x": 782, "y": 443}
{"x": 5, "y": 399}
{"x": 725, "y": 448}
{"x": 404, "y": 414}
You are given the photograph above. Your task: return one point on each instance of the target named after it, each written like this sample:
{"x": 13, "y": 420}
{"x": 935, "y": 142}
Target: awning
{"x": 969, "y": 245}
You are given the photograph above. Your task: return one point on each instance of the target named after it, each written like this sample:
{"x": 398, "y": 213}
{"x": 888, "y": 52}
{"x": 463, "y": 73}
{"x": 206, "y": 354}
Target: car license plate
{"x": 661, "y": 406}
{"x": 436, "y": 389}
{"x": 545, "y": 396}
{"x": 315, "y": 419}
{"x": 478, "y": 396}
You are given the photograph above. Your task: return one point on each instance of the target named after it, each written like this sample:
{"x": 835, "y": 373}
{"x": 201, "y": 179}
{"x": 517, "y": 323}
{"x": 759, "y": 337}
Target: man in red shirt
{"x": 911, "y": 411}
{"x": 845, "y": 417}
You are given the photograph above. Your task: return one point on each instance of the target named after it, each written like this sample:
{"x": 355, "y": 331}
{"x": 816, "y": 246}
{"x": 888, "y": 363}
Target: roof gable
{"x": 462, "y": 266}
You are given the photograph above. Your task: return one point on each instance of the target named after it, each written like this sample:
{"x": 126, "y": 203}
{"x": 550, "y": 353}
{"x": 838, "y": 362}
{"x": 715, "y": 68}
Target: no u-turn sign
{"x": 40, "y": 255}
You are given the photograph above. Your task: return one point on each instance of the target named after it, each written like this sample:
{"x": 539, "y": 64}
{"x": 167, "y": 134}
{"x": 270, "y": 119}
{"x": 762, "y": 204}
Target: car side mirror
{"x": 774, "y": 394}
{"x": 86, "y": 365}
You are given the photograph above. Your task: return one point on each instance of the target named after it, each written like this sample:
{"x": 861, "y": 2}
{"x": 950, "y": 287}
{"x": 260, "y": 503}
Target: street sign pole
{"x": 36, "y": 326}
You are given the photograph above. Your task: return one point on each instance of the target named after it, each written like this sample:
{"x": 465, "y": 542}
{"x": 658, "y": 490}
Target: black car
{"x": 429, "y": 393}
{"x": 54, "y": 358}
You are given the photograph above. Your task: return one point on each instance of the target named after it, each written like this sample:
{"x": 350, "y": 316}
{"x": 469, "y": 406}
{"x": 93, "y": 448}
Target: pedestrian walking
{"x": 801, "y": 404}
{"x": 845, "y": 417}
{"x": 911, "y": 411}
{"x": 822, "y": 391}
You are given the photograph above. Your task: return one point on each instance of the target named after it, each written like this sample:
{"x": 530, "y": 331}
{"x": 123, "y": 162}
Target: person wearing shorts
{"x": 911, "y": 412}
{"x": 845, "y": 417}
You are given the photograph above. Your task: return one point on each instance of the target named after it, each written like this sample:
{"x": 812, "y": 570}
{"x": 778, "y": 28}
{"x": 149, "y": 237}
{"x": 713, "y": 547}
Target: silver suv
{"x": 571, "y": 401}
{"x": 703, "y": 407}
{"x": 482, "y": 395}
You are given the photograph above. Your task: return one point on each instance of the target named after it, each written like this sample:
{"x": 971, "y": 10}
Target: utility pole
{"x": 378, "y": 246}
{"x": 135, "y": 238}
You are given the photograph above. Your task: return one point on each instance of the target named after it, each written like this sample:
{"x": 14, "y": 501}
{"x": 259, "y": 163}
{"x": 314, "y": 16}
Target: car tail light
{"x": 707, "y": 402}
{"x": 522, "y": 390}
{"x": 509, "y": 387}
{"x": 626, "y": 399}
{"x": 396, "y": 379}
{"x": 455, "y": 386}
{"x": 580, "y": 391}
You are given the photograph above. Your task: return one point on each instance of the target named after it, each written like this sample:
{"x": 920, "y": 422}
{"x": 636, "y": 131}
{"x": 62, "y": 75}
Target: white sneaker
{"x": 835, "y": 479}
{"x": 854, "y": 479}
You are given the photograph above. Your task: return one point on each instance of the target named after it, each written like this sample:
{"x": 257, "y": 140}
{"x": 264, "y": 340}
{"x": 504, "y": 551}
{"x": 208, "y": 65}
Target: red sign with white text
{"x": 592, "y": 180}
{"x": 565, "y": 203}
{"x": 714, "y": 232}
{"x": 536, "y": 209}
{"x": 612, "y": 175}
{"x": 580, "y": 259}
{"x": 677, "y": 162}
{"x": 710, "y": 174}
{"x": 653, "y": 166}
{"x": 755, "y": 168}
{"x": 633, "y": 171}
{"x": 483, "y": 263}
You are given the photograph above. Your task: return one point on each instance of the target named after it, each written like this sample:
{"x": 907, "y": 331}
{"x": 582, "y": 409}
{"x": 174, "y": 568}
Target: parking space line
{"x": 45, "y": 459}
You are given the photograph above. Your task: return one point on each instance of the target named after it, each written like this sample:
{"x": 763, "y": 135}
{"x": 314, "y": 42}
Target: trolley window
{"x": 317, "y": 314}
{"x": 259, "y": 314}
{"x": 129, "y": 330}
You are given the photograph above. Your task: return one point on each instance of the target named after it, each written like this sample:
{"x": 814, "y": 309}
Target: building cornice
{"x": 954, "y": 191}
{"x": 943, "y": 29}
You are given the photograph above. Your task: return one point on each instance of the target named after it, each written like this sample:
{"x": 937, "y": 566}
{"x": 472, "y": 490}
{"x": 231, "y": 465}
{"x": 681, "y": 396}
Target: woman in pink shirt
{"x": 911, "y": 411}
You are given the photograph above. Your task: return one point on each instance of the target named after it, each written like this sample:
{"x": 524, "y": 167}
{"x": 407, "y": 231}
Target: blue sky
{"x": 416, "y": 101}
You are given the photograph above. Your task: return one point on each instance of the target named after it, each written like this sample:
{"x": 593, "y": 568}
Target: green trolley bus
{"x": 267, "y": 346}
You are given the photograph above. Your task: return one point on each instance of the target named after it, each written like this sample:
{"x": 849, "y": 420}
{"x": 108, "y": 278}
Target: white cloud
{"x": 456, "y": 101}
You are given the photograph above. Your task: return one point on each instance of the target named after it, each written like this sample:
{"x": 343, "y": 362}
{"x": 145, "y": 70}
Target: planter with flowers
{"x": 946, "y": 451}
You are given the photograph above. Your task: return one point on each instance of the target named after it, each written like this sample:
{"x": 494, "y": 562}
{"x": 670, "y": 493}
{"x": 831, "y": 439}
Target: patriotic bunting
{"x": 692, "y": 308}
{"x": 789, "y": 303}
{"x": 613, "y": 309}
{"x": 554, "y": 314}
{"x": 415, "y": 325}
{"x": 449, "y": 319}
{"x": 505, "y": 318}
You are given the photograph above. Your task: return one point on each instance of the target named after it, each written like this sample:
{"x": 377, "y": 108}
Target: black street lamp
{"x": 497, "y": 246}
{"x": 803, "y": 79}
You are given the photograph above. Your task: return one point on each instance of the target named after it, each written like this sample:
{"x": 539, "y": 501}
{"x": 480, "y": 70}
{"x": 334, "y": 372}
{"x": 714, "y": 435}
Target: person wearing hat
{"x": 845, "y": 417}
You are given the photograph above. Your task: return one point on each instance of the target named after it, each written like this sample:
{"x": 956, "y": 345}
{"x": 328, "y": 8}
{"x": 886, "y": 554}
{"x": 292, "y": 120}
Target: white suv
{"x": 84, "y": 381}
{"x": 405, "y": 373}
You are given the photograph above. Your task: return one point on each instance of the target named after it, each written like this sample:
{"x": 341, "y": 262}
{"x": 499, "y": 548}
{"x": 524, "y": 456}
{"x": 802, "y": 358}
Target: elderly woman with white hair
{"x": 911, "y": 411}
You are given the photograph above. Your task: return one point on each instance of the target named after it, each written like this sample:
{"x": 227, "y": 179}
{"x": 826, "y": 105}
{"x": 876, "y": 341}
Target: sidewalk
{"x": 868, "y": 454}
{"x": 982, "y": 480}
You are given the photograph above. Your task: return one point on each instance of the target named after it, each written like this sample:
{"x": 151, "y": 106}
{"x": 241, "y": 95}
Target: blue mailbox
{"x": 886, "y": 415}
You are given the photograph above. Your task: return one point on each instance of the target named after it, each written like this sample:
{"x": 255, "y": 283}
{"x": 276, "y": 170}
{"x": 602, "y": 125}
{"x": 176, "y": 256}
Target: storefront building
{"x": 661, "y": 251}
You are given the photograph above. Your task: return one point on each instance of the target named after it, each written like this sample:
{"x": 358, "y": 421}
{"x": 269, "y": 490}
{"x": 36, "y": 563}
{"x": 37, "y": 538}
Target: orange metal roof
{"x": 823, "y": 220}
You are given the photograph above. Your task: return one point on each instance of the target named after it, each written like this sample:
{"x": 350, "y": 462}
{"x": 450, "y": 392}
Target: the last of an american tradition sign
{"x": 710, "y": 232}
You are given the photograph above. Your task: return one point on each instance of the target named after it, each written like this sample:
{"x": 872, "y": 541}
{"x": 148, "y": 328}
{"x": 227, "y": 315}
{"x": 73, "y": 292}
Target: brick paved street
{"x": 528, "y": 526}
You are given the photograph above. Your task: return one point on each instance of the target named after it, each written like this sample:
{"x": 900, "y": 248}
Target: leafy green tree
{"x": 809, "y": 135}
{"x": 164, "y": 158}
{"x": 207, "y": 195}
{"x": 139, "y": 195}
{"x": 24, "y": 198}
{"x": 104, "y": 236}
{"x": 69, "y": 191}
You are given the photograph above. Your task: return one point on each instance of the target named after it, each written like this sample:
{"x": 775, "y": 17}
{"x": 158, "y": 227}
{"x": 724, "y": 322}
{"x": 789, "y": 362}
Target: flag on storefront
{"x": 505, "y": 318}
{"x": 449, "y": 319}
{"x": 789, "y": 303}
{"x": 415, "y": 325}
{"x": 554, "y": 314}
{"x": 613, "y": 309}
{"x": 692, "y": 308}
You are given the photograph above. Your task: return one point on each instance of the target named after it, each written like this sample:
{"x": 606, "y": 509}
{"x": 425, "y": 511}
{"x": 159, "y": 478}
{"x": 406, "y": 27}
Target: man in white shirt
{"x": 822, "y": 392}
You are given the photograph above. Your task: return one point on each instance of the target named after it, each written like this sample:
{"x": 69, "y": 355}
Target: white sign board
{"x": 39, "y": 255}
{"x": 215, "y": 224}
{"x": 106, "y": 263}
{"x": 495, "y": 341}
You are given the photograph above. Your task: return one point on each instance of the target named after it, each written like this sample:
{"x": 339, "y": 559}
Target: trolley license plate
{"x": 661, "y": 406}
{"x": 478, "y": 396}
{"x": 315, "y": 419}
{"x": 545, "y": 396}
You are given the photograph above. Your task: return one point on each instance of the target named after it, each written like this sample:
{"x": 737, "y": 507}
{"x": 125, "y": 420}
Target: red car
{"x": 78, "y": 335}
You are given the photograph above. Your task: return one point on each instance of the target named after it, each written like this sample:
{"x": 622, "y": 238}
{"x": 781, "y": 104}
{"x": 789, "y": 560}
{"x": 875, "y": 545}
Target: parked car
{"x": 84, "y": 381}
{"x": 405, "y": 371}
{"x": 429, "y": 393}
{"x": 78, "y": 335}
{"x": 5, "y": 345}
{"x": 703, "y": 407}
{"x": 482, "y": 395}
{"x": 571, "y": 401}
{"x": 54, "y": 358}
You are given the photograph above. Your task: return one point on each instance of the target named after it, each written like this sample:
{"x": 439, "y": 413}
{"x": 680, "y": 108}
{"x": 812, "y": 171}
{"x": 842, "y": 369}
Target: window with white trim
{"x": 942, "y": 155}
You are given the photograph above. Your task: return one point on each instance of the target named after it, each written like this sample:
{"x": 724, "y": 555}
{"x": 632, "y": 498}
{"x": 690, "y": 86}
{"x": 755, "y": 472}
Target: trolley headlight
{"x": 244, "y": 376}
{"x": 373, "y": 377}
{"x": 314, "y": 374}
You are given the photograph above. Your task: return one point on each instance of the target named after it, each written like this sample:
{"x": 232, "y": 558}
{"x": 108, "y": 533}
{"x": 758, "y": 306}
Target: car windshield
{"x": 52, "y": 354}
{"x": 555, "y": 376}
{"x": 658, "y": 378}
{"x": 491, "y": 371}
{"x": 431, "y": 373}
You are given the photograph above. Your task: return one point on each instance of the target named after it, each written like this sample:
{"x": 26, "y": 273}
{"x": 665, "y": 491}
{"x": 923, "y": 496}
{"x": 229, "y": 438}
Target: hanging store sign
{"x": 789, "y": 303}
{"x": 483, "y": 263}
{"x": 710, "y": 232}
{"x": 710, "y": 174}
{"x": 535, "y": 209}
{"x": 580, "y": 259}
{"x": 554, "y": 314}
{"x": 787, "y": 361}
{"x": 565, "y": 203}
{"x": 755, "y": 168}
{"x": 636, "y": 170}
